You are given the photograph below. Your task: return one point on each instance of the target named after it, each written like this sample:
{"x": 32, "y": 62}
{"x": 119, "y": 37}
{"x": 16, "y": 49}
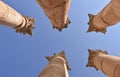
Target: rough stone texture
{"x": 57, "y": 66}
{"x": 11, "y": 18}
{"x": 109, "y": 65}
{"x": 109, "y": 16}
{"x": 56, "y": 11}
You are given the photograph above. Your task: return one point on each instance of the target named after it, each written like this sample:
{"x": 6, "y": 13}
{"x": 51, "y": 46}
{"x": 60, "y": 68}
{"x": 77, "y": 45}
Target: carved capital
{"x": 92, "y": 26}
{"x": 93, "y": 54}
{"x": 27, "y": 26}
{"x": 62, "y": 55}
{"x": 64, "y": 26}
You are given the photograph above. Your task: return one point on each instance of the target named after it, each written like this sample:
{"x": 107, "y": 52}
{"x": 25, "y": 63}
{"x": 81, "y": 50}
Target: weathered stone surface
{"x": 109, "y": 65}
{"x": 11, "y": 18}
{"x": 57, "y": 66}
{"x": 109, "y": 16}
{"x": 56, "y": 11}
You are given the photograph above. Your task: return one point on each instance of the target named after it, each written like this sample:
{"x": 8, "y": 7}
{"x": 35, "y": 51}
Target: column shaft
{"x": 13, "y": 19}
{"x": 57, "y": 67}
{"x": 107, "y": 64}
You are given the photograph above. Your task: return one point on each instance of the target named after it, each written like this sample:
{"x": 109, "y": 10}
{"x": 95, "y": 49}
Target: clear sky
{"x": 24, "y": 56}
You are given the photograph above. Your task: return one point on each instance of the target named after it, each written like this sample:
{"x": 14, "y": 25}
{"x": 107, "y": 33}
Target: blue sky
{"x": 24, "y": 56}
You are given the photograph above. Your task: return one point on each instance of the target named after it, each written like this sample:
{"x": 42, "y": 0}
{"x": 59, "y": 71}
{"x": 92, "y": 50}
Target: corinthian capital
{"x": 93, "y": 54}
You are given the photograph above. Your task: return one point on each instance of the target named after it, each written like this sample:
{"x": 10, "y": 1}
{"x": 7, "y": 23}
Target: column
{"x": 109, "y": 16}
{"x": 13, "y": 19}
{"x": 57, "y": 66}
{"x": 100, "y": 60}
{"x": 56, "y": 11}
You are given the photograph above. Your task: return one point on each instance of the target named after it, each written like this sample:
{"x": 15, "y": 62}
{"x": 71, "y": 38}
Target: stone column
{"x": 57, "y": 66}
{"x": 13, "y": 19}
{"x": 110, "y": 15}
{"x": 109, "y": 65}
{"x": 56, "y": 11}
